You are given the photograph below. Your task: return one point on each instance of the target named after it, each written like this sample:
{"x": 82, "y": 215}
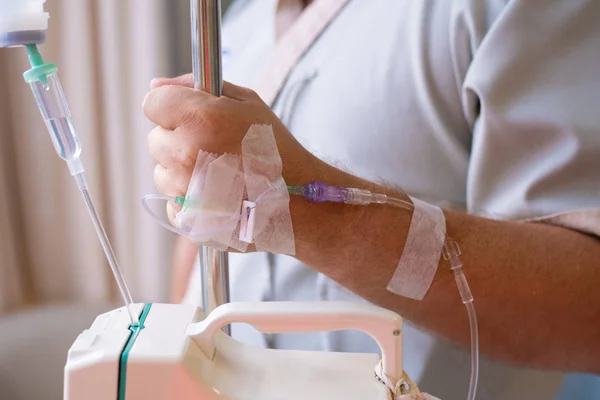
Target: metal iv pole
{"x": 207, "y": 69}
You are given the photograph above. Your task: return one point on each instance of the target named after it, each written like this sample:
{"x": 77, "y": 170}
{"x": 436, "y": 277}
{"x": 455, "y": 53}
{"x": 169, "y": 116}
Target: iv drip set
{"x": 163, "y": 351}
{"x": 51, "y": 101}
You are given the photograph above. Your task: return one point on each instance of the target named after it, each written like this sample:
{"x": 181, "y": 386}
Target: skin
{"x": 535, "y": 285}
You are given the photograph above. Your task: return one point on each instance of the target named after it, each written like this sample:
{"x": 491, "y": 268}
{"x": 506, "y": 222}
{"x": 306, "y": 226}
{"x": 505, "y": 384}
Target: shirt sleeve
{"x": 532, "y": 97}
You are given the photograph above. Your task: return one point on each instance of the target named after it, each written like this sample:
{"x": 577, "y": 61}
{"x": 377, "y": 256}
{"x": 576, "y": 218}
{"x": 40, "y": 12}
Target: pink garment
{"x": 287, "y": 13}
{"x": 295, "y": 41}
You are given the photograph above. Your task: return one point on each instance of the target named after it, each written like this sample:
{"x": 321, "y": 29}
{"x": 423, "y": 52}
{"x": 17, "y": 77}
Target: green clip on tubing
{"x": 40, "y": 70}
{"x": 135, "y": 332}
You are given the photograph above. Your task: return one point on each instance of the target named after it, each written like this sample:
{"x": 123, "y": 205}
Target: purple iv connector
{"x": 319, "y": 192}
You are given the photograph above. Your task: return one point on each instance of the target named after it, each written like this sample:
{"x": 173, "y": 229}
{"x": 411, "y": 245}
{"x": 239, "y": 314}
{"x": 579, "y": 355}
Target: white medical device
{"x": 179, "y": 353}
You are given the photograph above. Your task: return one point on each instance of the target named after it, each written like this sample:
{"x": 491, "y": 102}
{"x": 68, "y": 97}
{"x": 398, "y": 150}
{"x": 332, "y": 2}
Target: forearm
{"x": 535, "y": 286}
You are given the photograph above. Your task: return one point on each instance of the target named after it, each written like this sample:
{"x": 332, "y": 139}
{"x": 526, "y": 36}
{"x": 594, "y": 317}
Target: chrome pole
{"x": 208, "y": 76}
{"x": 206, "y": 45}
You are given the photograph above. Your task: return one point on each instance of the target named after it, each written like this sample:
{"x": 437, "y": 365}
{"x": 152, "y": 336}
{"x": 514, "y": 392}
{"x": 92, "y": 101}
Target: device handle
{"x": 384, "y": 326}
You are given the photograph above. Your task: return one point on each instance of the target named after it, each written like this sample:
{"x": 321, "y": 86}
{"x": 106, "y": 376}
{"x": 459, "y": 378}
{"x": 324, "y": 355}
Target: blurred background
{"x": 54, "y": 278}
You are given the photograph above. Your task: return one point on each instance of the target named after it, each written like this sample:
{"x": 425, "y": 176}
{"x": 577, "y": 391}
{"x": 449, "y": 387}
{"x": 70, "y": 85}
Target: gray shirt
{"x": 482, "y": 106}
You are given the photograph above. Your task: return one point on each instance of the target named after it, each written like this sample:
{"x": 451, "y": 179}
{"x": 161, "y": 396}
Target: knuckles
{"x": 171, "y": 181}
{"x": 252, "y": 94}
{"x": 169, "y": 149}
{"x": 154, "y": 140}
{"x": 198, "y": 121}
{"x": 191, "y": 112}
{"x": 175, "y": 107}
{"x": 185, "y": 156}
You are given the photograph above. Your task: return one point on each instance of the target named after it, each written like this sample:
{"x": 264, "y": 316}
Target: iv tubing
{"x": 51, "y": 101}
{"x": 108, "y": 250}
{"x": 474, "y": 351}
{"x": 451, "y": 253}
{"x": 233, "y": 221}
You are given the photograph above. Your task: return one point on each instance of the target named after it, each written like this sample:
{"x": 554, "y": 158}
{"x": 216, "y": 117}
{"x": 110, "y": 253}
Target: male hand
{"x": 191, "y": 120}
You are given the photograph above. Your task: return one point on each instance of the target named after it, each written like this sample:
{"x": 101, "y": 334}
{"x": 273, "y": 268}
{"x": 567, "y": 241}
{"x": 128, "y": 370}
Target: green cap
{"x": 40, "y": 70}
{"x": 40, "y": 73}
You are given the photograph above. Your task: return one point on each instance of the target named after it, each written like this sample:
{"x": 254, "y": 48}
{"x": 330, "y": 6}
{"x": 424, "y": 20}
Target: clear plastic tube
{"x": 233, "y": 221}
{"x": 474, "y": 351}
{"x": 52, "y": 103}
{"x": 400, "y": 203}
{"x": 108, "y": 250}
{"x": 319, "y": 192}
{"x": 451, "y": 253}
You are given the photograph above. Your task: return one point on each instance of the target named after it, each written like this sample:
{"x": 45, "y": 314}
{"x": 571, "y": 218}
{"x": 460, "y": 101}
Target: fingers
{"x": 172, "y": 210}
{"x": 186, "y": 80}
{"x": 175, "y": 165}
{"x": 158, "y": 145}
{"x": 171, "y": 182}
{"x": 172, "y": 149}
{"x": 229, "y": 89}
{"x": 172, "y": 106}
{"x": 238, "y": 92}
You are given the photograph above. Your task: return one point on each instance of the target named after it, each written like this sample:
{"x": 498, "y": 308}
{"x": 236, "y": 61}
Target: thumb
{"x": 186, "y": 80}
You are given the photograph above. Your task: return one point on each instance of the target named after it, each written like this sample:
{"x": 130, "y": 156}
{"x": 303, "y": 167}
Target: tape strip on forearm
{"x": 422, "y": 251}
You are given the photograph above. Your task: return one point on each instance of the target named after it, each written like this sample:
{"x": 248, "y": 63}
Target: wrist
{"x": 325, "y": 233}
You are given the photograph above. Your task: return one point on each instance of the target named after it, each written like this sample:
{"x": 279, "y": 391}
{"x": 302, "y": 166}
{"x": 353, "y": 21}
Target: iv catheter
{"x": 207, "y": 72}
{"x": 48, "y": 93}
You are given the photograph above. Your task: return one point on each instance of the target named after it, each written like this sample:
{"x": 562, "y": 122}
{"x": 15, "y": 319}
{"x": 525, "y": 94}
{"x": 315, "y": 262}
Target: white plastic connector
{"x": 364, "y": 197}
{"x": 451, "y": 254}
{"x": 75, "y": 167}
{"x": 23, "y": 16}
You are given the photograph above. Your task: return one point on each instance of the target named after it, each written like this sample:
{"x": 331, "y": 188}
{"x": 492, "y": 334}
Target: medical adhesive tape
{"x": 251, "y": 207}
{"x": 422, "y": 251}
